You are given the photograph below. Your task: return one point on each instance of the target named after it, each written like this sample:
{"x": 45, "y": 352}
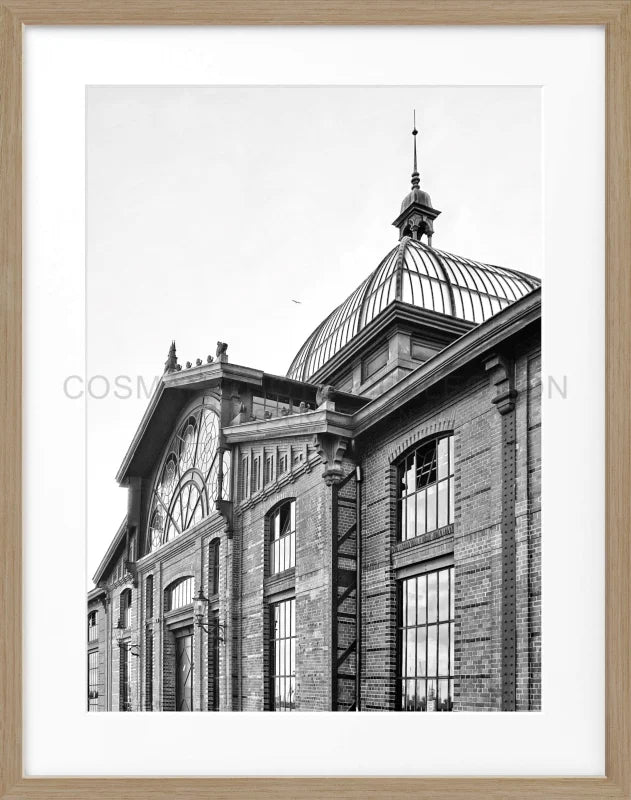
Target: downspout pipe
{"x": 358, "y": 578}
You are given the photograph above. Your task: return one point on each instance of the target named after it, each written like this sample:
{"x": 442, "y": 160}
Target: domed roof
{"x": 416, "y": 196}
{"x": 422, "y": 276}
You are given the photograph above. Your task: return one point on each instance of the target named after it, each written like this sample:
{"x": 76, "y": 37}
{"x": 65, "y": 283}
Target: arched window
{"x": 124, "y": 608}
{"x": 187, "y": 484}
{"x": 93, "y": 631}
{"x": 282, "y": 537}
{"x": 179, "y": 594}
{"x": 426, "y": 488}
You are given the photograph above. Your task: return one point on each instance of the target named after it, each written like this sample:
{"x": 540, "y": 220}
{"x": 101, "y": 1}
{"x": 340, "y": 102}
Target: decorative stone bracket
{"x": 331, "y": 449}
{"x": 502, "y": 376}
{"x": 224, "y": 507}
{"x": 131, "y": 572}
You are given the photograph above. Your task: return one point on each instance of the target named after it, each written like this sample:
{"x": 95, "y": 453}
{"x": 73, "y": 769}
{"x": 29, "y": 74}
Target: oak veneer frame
{"x": 615, "y": 15}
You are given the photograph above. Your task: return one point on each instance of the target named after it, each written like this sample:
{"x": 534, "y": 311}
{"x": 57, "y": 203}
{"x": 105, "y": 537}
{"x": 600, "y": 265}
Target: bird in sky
{"x": 297, "y": 302}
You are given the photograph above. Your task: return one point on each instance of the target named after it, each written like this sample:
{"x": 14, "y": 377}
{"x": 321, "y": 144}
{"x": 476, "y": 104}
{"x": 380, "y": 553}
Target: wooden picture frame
{"x": 615, "y": 16}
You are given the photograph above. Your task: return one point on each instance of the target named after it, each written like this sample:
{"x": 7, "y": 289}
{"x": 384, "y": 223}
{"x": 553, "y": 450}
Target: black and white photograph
{"x": 313, "y": 398}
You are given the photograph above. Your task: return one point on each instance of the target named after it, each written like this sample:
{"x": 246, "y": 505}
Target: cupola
{"x": 417, "y": 213}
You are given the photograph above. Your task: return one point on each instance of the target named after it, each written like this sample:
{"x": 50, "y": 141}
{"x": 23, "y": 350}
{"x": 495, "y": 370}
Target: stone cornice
{"x": 306, "y": 424}
{"x": 215, "y": 522}
{"x": 474, "y": 344}
{"x": 396, "y": 313}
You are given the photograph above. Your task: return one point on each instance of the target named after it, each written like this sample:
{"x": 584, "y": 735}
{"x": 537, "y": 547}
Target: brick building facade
{"x": 363, "y": 533}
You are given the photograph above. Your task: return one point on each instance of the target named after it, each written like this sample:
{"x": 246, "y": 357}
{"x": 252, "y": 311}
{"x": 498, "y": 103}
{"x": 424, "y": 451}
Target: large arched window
{"x": 179, "y": 594}
{"x": 426, "y": 488}
{"x": 187, "y": 484}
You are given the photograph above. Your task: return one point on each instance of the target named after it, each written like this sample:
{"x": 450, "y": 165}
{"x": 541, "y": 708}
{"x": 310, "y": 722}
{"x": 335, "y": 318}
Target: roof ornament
{"x": 415, "y": 176}
{"x": 171, "y": 365}
{"x": 417, "y": 215}
{"x": 221, "y": 353}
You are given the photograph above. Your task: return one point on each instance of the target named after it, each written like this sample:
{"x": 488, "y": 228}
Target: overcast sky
{"x": 209, "y": 210}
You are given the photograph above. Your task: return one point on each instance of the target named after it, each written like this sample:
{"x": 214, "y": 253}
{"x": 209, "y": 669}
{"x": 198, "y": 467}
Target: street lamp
{"x": 200, "y": 604}
{"x": 119, "y": 633}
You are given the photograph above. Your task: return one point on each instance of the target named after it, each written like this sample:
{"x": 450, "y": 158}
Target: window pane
{"x": 443, "y": 504}
{"x": 431, "y": 508}
{"x": 443, "y": 594}
{"x": 421, "y": 654}
{"x": 411, "y": 603}
{"x": 421, "y": 700}
{"x": 420, "y": 511}
{"x": 431, "y": 695}
{"x": 452, "y": 594}
{"x": 409, "y": 695}
{"x": 432, "y": 653}
{"x": 410, "y": 650}
{"x": 422, "y": 599}
{"x": 410, "y": 518}
{"x": 451, "y": 500}
{"x": 432, "y": 597}
{"x": 444, "y": 703}
{"x": 451, "y": 455}
{"x": 443, "y": 458}
{"x": 443, "y": 649}
{"x": 409, "y": 475}
{"x": 404, "y": 603}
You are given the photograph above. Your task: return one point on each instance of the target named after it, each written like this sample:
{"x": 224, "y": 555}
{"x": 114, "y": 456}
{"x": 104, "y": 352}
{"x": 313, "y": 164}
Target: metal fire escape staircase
{"x": 346, "y": 599}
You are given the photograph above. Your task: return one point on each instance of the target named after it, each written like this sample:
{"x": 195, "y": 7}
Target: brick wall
{"x": 464, "y": 406}
{"x": 310, "y": 583}
{"x": 473, "y": 542}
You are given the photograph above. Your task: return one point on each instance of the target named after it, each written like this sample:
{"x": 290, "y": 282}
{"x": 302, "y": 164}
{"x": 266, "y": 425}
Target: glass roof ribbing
{"x": 421, "y": 276}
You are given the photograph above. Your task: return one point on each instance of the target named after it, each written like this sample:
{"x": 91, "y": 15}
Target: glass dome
{"x": 422, "y": 276}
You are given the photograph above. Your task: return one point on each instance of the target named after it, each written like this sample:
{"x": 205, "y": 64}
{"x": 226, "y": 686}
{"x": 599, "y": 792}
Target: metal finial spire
{"x": 415, "y": 176}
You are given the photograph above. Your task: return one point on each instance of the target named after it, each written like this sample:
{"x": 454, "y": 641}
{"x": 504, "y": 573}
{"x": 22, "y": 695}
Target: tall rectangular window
{"x": 213, "y": 568}
{"x": 282, "y": 527}
{"x": 93, "y": 681}
{"x": 283, "y": 655}
{"x": 93, "y": 630}
{"x": 426, "y": 641}
{"x": 123, "y": 675}
{"x": 124, "y": 608}
{"x": 149, "y": 670}
{"x": 149, "y": 596}
{"x": 426, "y": 488}
{"x": 213, "y": 661}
